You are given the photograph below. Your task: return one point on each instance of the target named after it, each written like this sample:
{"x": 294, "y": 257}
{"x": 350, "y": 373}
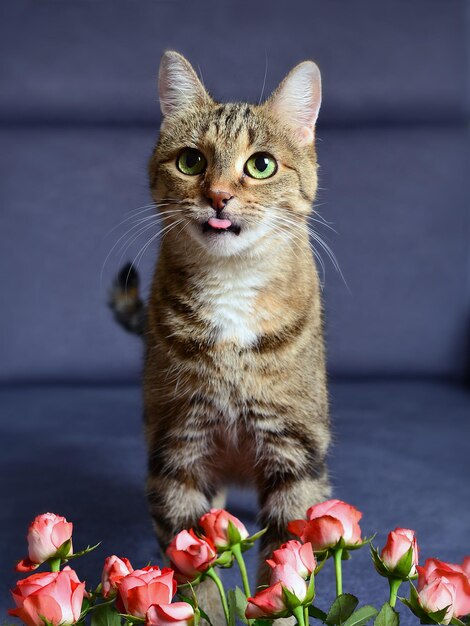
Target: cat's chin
{"x": 227, "y": 242}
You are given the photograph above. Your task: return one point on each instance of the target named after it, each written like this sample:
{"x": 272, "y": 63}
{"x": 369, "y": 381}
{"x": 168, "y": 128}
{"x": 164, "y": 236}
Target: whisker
{"x": 144, "y": 248}
{"x": 158, "y": 217}
{"x": 316, "y": 237}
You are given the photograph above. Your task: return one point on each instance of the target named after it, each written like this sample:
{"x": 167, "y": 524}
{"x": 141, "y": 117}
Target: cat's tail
{"x": 125, "y": 302}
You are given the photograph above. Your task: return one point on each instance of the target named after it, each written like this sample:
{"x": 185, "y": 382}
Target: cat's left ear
{"x": 297, "y": 100}
{"x": 178, "y": 84}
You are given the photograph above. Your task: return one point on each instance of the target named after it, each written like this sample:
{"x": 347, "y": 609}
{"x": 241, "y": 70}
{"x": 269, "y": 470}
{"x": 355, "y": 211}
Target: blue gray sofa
{"x": 78, "y": 118}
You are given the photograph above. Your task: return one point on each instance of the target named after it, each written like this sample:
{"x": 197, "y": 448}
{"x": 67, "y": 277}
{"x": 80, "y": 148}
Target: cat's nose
{"x": 218, "y": 199}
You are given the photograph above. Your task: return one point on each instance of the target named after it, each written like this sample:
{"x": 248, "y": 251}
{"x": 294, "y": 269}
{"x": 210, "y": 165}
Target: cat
{"x": 235, "y": 387}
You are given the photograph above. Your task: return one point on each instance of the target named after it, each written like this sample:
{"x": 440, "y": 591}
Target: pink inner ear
{"x": 305, "y": 135}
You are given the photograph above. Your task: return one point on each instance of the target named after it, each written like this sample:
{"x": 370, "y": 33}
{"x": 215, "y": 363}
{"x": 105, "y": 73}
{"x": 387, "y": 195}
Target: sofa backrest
{"x": 79, "y": 116}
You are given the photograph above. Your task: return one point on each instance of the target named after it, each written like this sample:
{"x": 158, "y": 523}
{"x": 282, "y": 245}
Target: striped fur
{"x": 234, "y": 382}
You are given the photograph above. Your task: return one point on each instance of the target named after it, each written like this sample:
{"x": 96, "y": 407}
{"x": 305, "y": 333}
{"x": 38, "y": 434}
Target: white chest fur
{"x": 230, "y": 294}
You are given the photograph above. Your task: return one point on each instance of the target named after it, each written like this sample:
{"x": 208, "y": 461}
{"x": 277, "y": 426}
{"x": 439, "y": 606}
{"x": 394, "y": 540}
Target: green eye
{"x": 261, "y": 165}
{"x": 191, "y": 162}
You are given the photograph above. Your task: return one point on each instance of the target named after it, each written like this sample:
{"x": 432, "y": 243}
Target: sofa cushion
{"x": 400, "y": 455}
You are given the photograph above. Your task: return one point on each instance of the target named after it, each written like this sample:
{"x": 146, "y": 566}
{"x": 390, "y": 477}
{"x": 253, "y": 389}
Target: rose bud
{"x": 46, "y": 534}
{"x": 267, "y": 603}
{"x": 398, "y": 544}
{"x": 290, "y": 579}
{"x": 438, "y": 595}
{"x": 54, "y": 596}
{"x": 114, "y": 571}
{"x": 215, "y": 526}
{"x": 299, "y": 556}
{"x": 455, "y": 574}
{"x": 176, "y": 614}
{"x": 190, "y": 555}
{"x": 143, "y": 587}
{"x": 327, "y": 524}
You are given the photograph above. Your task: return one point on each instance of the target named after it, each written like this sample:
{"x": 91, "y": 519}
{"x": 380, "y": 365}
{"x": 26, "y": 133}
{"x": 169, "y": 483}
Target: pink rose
{"x": 398, "y": 543}
{"x": 215, "y": 527}
{"x": 438, "y": 595}
{"x": 56, "y": 596}
{"x": 114, "y": 571}
{"x": 466, "y": 565}
{"x": 267, "y": 603}
{"x": 327, "y": 523}
{"x": 176, "y": 614}
{"x": 46, "y": 534}
{"x": 455, "y": 574}
{"x": 290, "y": 579}
{"x": 143, "y": 587}
{"x": 299, "y": 556}
{"x": 190, "y": 555}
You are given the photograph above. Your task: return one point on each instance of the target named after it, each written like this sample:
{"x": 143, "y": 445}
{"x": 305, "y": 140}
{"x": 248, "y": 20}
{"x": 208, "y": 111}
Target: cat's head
{"x": 236, "y": 175}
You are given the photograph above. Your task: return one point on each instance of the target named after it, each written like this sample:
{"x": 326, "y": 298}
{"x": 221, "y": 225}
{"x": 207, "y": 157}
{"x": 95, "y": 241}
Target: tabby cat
{"x": 234, "y": 382}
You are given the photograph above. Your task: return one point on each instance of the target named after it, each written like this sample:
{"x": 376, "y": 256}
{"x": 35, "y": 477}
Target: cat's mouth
{"x": 219, "y": 226}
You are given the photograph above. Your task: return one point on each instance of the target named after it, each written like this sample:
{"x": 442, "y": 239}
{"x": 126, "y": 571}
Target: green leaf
{"x": 257, "y": 535}
{"x": 404, "y": 565}
{"x": 415, "y": 609}
{"x": 64, "y": 549}
{"x": 322, "y": 558}
{"x": 291, "y": 600}
{"x": 341, "y": 609}
{"x": 241, "y": 603}
{"x": 233, "y": 533}
{"x": 262, "y": 622}
{"x": 225, "y": 559}
{"x": 83, "y": 552}
{"x": 457, "y": 622}
{"x": 249, "y": 541}
{"x": 131, "y": 619}
{"x": 191, "y": 601}
{"x": 317, "y": 613}
{"x": 387, "y": 616}
{"x": 105, "y": 615}
{"x": 361, "y": 616}
{"x": 309, "y": 598}
{"x": 378, "y": 563}
{"x": 232, "y": 609}
{"x": 86, "y": 605}
{"x": 438, "y": 616}
{"x": 205, "y": 616}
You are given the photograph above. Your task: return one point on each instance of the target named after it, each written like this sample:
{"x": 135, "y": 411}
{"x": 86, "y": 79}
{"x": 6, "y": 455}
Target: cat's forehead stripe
{"x": 232, "y": 119}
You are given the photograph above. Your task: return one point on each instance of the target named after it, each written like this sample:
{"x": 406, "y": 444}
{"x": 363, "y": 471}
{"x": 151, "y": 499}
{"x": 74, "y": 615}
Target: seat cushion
{"x": 400, "y": 455}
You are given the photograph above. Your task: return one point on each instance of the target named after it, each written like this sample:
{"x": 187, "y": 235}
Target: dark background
{"x": 78, "y": 118}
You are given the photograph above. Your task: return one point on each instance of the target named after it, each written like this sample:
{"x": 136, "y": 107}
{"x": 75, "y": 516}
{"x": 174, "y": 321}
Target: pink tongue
{"x": 215, "y": 222}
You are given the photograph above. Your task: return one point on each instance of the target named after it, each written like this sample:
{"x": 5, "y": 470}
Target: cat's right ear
{"x": 297, "y": 100}
{"x": 178, "y": 84}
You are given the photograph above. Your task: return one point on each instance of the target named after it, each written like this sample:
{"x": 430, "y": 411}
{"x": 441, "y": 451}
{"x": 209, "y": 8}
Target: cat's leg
{"x": 180, "y": 489}
{"x": 220, "y": 499}
{"x": 292, "y": 477}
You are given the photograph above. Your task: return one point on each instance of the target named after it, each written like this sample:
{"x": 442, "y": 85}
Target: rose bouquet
{"x": 439, "y": 593}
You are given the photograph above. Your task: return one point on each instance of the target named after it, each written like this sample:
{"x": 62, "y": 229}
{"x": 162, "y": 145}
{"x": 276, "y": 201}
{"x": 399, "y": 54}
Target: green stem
{"x": 394, "y": 586}
{"x": 306, "y": 614}
{"x": 298, "y": 613}
{"x": 55, "y": 565}
{"x": 337, "y": 554}
{"x": 237, "y": 553}
{"x": 211, "y": 573}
